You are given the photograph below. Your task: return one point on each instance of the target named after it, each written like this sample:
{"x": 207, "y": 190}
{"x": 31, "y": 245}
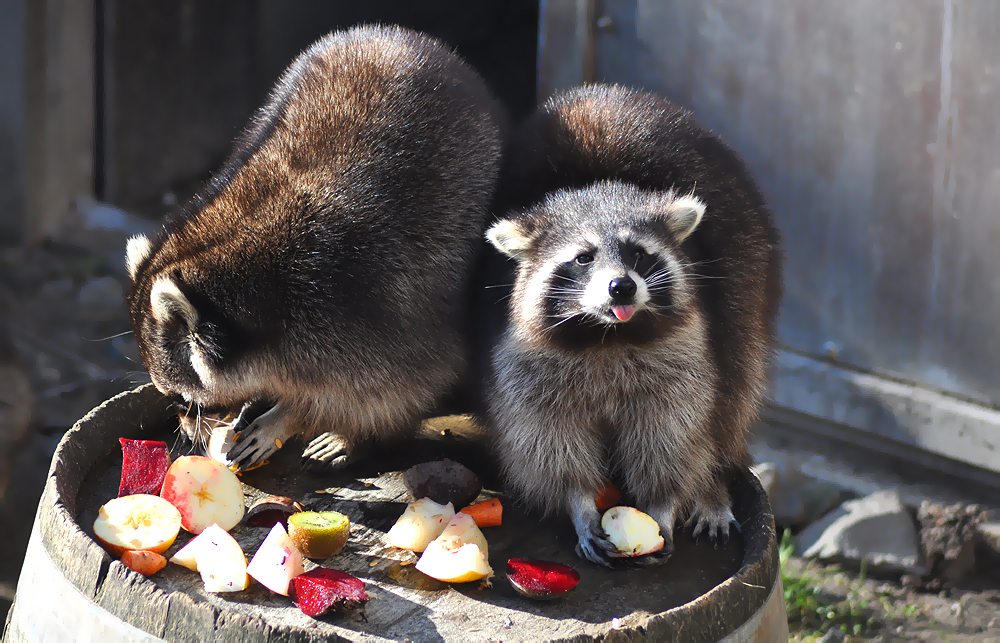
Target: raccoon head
{"x": 603, "y": 263}
{"x": 194, "y": 350}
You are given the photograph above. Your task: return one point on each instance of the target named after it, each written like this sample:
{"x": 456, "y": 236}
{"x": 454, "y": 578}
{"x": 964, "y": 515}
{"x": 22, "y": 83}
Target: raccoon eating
{"x": 321, "y": 276}
{"x": 641, "y": 316}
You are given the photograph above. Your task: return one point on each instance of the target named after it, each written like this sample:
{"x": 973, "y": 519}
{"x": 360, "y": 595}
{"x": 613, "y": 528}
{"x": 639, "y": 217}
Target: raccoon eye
{"x": 638, "y": 255}
{"x": 584, "y": 259}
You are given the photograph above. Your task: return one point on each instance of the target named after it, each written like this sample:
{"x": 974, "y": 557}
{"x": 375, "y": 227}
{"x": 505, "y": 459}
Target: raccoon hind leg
{"x": 332, "y": 451}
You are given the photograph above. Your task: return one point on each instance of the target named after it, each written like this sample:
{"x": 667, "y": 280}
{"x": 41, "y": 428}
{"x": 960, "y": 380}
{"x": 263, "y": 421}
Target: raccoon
{"x": 641, "y": 316}
{"x": 323, "y": 273}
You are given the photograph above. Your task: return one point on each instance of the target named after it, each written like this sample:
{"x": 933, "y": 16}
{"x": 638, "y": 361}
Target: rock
{"x": 796, "y": 499}
{"x": 101, "y": 299}
{"x": 948, "y": 539}
{"x": 876, "y": 530}
{"x": 988, "y": 548}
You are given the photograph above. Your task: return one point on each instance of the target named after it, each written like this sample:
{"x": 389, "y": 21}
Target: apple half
{"x": 631, "y": 531}
{"x": 139, "y": 521}
{"x": 205, "y": 493}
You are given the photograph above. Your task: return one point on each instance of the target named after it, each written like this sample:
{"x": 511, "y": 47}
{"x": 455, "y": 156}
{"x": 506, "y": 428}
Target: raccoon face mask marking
{"x": 602, "y": 256}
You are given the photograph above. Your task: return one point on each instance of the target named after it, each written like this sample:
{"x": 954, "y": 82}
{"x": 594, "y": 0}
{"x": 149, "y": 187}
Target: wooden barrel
{"x": 70, "y": 589}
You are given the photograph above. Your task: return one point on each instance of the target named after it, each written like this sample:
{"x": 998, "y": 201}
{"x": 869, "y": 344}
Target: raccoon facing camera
{"x": 316, "y": 288}
{"x": 640, "y": 322}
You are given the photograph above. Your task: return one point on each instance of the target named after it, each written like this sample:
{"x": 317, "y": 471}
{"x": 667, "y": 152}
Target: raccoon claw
{"x": 715, "y": 524}
{"x": 330, "y": 451}
{"x": 261, "y": 439}
{"x": 656, "y": 558}
{"x": 596, "y": 550}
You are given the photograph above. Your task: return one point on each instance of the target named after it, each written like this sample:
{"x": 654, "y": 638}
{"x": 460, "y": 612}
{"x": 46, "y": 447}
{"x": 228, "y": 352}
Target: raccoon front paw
{"x": 715, "y": 522}
{"x": 330, "y": 451}
{"x": 261, "y": 439}
{"x": 593, "y": 545}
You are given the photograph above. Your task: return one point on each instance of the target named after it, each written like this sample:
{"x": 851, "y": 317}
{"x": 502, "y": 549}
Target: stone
{"x": 796, "y": 498}
{"x": 876, "y": 532}
{"x": 948, "y": 539}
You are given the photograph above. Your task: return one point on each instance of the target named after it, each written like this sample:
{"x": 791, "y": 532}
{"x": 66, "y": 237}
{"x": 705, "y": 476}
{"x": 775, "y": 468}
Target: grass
{"x": 812, "y": 610}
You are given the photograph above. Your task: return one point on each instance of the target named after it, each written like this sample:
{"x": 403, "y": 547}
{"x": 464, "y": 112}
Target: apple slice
{"x": 276, "y": 562}
{"x": 221, "y": 562}
{"x": 186, "y": 555}
{"x": 421, "y": 522}
{"x": 139, "y": 521}
{"x": 206, "y": 492}
{"x": 631, "y": 531}
{"x": 458, "y": 555}
{"x": 146, "y": 563}
{"x": 144, "y": 464}
{"x": 320, "y": 589}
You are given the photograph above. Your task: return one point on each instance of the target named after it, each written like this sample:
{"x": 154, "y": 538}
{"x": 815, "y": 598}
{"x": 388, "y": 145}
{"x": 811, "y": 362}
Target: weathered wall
{"x": 872, "y": 127}
{"x": 12, "y": 112}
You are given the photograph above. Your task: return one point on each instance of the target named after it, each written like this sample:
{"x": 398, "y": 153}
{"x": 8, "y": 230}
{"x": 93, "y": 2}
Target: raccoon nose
{"x": 622, "y": 288}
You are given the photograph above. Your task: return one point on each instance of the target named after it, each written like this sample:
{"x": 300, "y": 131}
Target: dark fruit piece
{"x": 144, "y": 465}
{"x": 320, "y": 589}
{"x": 443, "y": 481}
{"x": 269, "y": 511}
{"x": 541, "y": 579}
{"x": 319, "y": 534}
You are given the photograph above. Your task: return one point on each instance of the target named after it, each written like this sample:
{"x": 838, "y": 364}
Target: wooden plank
{"x": 565, "y": 45}
{"x": 60, "y": 120}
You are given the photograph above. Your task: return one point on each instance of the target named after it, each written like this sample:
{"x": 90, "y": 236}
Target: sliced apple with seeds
{"x": 458, "y": 555}
{"x": 144, "y": 465}
{"x": 205, "y": 492}
{"x": 421, "y": 522}
{"x": 221, "y": 562}
{"x": 276, "y": 562}
{"x": 140, "y": 521}
{"x": 631, "y": 531}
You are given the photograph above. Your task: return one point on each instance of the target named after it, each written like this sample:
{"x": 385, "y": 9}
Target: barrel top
{"x": 707, "y": 590}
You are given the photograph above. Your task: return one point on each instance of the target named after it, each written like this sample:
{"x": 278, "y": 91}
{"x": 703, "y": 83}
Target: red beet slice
{"x": 541, "y": 579}
{"x": 144, "y": 465}
{"x": 320, "y": 589}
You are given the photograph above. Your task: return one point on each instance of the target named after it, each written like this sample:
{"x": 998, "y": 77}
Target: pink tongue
{"x": 623, "y": 313}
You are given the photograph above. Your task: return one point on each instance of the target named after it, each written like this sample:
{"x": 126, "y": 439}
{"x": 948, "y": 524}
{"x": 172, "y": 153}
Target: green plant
{"x": 811, "y": 608}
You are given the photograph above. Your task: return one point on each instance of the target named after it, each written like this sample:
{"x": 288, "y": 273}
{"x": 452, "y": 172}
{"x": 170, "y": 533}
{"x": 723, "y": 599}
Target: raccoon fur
{"x": 641, "y": 316}
{"x": 324, "y": 271}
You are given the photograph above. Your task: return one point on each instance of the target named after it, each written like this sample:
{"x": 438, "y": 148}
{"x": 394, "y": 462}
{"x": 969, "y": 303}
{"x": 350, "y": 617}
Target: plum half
{"x": 541, "y": 579}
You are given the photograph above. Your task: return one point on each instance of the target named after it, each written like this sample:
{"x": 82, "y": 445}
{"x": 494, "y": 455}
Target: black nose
{"x": 622, "y": 288}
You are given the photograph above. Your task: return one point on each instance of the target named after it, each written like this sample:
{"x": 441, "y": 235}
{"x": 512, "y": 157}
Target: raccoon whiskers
{"x": 561, "y": 321}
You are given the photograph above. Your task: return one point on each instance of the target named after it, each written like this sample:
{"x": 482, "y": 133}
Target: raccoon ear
{"x": 136, "y": 250}
{"x": 684, "y": 215}
{"x": 510, "y": 237}
{"x": 166, "y": 300}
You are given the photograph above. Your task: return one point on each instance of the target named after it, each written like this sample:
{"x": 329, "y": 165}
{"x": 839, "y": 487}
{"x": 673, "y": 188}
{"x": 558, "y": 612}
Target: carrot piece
{"x": 607, "y": 497}
{"x": 146, "y": 563}
{"x": 486, "y": 513}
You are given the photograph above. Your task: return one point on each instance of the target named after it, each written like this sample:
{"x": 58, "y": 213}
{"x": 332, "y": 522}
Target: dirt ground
{"x": 66, "y": 319}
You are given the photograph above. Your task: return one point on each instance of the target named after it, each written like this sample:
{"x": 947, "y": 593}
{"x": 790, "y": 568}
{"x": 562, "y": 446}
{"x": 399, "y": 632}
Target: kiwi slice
{"x": 319, "y": 534}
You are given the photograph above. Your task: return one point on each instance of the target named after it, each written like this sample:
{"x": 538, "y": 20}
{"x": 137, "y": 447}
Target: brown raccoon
{"x": 642, "y": 314}
{"x": 324, "y": 270}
